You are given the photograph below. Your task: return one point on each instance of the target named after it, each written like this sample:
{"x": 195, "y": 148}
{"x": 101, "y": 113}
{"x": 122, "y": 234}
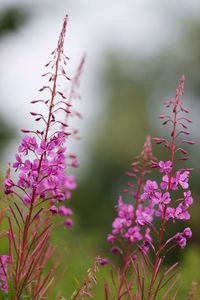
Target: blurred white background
{"x": 141, "y": 27}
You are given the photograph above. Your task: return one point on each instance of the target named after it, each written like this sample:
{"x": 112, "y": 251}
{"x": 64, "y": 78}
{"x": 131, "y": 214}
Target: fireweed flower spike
{"x": 168, "y": 208}
{"x": 41, "y": 187}
{"x": 155, "y": 201}
{"x": 128, "y": 230}
{"x": 133, "y": 214}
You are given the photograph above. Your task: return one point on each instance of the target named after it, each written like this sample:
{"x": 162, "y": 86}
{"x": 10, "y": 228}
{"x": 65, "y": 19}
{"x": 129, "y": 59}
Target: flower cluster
{"x": 135, "y": 222}
{"x": 130, "y": 220}
{"x": 153, "y": 199}
{"x": 43, "y": 178}
{"x": 159, "y": 199}
{"x": 142, "y": 222}
{"x": 41, "y": 185}
{"x": 41, "y": 160}
{"x": 181, "y": 238}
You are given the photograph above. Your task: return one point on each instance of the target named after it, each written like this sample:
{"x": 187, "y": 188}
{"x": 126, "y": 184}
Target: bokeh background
{"x": 136, "y": 50}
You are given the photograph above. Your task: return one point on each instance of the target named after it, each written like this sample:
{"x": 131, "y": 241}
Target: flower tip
{"x": 69, "y": 223}
{"x": 53, "y": 209}
{"x": 25, "y": 131}
{"x": 111, "y": 238}
{"x": 103, "y": 261}
{"x": 115, "y": 250}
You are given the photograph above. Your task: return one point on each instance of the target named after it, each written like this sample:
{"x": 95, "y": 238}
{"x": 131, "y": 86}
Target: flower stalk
{"x": 134, "y": 228}
{"x": 41, "y": 187}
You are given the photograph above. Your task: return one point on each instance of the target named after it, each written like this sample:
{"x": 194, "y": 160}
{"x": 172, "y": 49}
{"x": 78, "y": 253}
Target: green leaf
{"x": 3, "y": 296}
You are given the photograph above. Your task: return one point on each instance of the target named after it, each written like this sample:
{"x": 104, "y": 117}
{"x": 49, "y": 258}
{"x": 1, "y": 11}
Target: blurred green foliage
{"x": 117, "y": 136}
{"x": 11, "y": 18}
{"x": 6, "y": 133}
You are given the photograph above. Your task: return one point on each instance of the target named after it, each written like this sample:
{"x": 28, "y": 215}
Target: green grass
{"x": 79, "y": 249}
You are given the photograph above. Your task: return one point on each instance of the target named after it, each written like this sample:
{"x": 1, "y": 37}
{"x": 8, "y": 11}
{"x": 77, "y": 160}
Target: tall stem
{"x": 127, "y": 256}
{"x": 163, "y": 222}
{"x": 23, "y": 246}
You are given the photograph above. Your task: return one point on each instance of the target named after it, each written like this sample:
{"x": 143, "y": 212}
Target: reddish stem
{"x": 140, "y": 182}
{"x": 23, "y": 246}
{"x": 163, "y": 222}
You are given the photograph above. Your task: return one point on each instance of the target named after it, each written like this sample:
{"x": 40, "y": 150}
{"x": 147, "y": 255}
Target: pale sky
{"x": 140, "y": 26}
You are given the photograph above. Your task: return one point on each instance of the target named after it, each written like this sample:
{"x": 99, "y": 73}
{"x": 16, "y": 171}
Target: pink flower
{"x": 111, "y": 238}
{"x": 170, "y": 213}
{"x": 26, "y": 167}
{"x": 68, "y": 223}
{"x": 26, "y": 199}
{"x": 18, "y": 162}
{"x": 59, "y": 195}
{"x": 167, "y": 181}
{"x": 44, "y": 147}
{"x": 156, "y": 198}
{"x": 144, "y": 215}
{"x": 118, "y": 225}
{"x": 125, "y": 211}
{"x": 165, "y": 167}
{"x": 65, "y": 211}
{"x": 103, "y": 261}
{"x": 181, "y": 241}
{"x": 187, "y": 233}
{"x": 161, "y": 198}
{"x": 166, "y": 198}
{"x": 181, "y": 238}
{"x": 115, "y": 249}
{"x": 181, "y": 213}
{"x": 149, "y": 188}
{"x": 188, "y": 200}
{"x": 28, "y": 143}
{"x": 44, "y": 177}
{"x": 8, "y": 184}
{"x": 133, "y": 234}
{"x": 182, "y": 178}
{"x": 53, "y": 209}
{"x": 3, "y": 273}
{"x": 70, "y": 182}
{"x": 147, "y": 237}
